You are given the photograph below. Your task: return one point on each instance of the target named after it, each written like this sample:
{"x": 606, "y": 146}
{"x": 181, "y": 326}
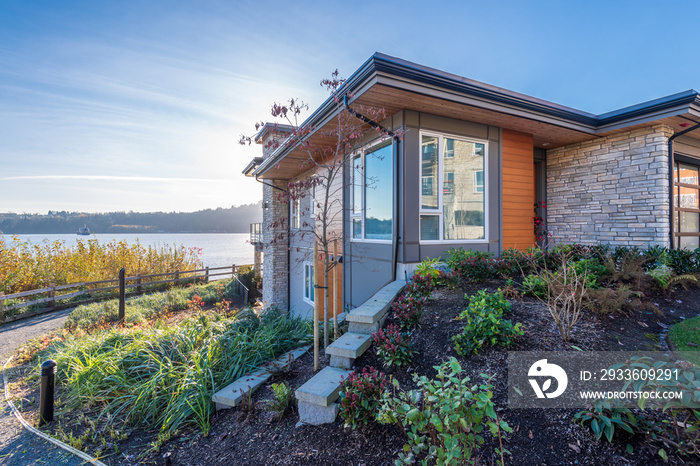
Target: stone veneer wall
{"x": 276, "y": 264}
{"x": 611, "y": 190}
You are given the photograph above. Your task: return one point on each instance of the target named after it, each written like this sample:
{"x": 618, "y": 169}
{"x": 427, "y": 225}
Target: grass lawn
{"x": 685, "y": 336}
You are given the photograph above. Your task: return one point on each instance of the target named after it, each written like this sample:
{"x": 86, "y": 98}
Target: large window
{"x": 686, "y": 200}
{"x": 309, "y": 282}
{"x": 453, "y": 199}
{"x": 372, "y": 183}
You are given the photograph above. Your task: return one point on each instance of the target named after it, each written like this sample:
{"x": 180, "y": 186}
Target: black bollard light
{"x": 48, "y": 371}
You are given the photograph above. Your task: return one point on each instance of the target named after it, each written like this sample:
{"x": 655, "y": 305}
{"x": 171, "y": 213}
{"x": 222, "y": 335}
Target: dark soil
{"x": 549, "y": 436}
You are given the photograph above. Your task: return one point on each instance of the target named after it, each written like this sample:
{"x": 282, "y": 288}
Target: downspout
{"x": 396, "y": 211}
{"x": 395, "y": 175}
{"x": 671, "y": 163}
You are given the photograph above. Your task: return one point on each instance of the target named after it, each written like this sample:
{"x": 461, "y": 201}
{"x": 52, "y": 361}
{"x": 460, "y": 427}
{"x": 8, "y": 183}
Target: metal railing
{"x": 256, "y": 233}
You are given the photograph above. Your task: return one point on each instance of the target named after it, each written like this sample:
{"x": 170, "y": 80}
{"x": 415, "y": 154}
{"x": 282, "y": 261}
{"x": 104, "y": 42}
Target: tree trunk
{"x": 326, "y": 327}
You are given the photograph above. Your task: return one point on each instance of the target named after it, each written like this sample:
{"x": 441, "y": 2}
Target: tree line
{"x": 220, "y": 220}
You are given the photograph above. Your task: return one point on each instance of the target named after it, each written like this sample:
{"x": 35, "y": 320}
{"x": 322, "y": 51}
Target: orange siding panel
{"x": 518, "y": 190}
{"x": 336, "y": 285}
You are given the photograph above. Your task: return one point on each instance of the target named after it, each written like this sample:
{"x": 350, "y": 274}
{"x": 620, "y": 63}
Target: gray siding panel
{"x": 370, "y": 270}
{"x": 301, "y": 244}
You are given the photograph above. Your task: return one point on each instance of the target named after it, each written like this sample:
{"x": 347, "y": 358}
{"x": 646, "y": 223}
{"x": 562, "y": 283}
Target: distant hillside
{"x": 232, "y": 220}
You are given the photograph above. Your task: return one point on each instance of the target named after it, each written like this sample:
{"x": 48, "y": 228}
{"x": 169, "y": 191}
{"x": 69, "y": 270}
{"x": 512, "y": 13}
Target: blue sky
{"x": 139, "y": 105}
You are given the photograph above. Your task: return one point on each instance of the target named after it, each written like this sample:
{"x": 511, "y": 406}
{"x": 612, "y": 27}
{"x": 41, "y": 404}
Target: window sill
{"x": 455, "y": 241}
{"x": 371, "y": 241}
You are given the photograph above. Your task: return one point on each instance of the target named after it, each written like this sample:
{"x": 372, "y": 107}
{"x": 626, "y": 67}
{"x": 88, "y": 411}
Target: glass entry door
{"x": 686, "y": 202}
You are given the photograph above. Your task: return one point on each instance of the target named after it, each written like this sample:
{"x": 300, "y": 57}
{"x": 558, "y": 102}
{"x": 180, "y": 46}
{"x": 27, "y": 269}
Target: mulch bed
{"x": 547, "y": 436}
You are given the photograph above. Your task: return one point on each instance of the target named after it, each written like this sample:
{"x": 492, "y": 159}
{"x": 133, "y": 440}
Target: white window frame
{"x": 312, "y": 282}
{"x": 476, "y": 182}
{"x": 361, "y": 214}
{"x": 295, "y": 214}
{"x": 439, "y": 211}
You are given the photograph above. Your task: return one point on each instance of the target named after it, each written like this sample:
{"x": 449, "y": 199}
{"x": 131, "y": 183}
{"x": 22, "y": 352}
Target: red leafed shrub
{"x": 408, "y": 310}
{"x": 393, "y": 346}
{"x": 420, "y": 286}
{"x": 360, "y": 394}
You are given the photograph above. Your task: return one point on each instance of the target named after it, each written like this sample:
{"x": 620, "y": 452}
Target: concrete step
{"x": 233, "y": 393}
{"x": 347, "y": 348}
{"x": 316, "y": 398}
{"x": 323, "y": 388}
{"x": 369, "y": 317}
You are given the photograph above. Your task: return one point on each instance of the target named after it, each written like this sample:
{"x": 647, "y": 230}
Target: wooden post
{"x": 206, "y": 275}
{"x": 334, "y": 307}
{"x": 177, "y": 277}
{"x": 138, "y": 288}
{"x": 233, "y": 270}
{"x": 122, "y": 294}
{"x": 316, "y": 301}
{"x": 2, "y": 307}
{"x": 52, "y": 295}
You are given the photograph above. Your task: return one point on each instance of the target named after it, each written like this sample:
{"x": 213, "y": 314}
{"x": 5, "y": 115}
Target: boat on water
{"x": 84, "y": 230}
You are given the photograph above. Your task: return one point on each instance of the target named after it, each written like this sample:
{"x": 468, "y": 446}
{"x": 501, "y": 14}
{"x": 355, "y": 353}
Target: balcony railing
{"x": 256, "y": 235}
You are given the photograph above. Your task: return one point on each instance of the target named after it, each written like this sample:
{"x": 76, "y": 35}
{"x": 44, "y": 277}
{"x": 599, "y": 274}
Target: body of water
{"x": 218, "y": 249}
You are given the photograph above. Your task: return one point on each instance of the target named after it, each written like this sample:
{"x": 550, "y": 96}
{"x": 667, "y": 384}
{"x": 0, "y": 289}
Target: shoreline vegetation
{"x": 220, "y": 220}
{"x": 158, "y": 369}
{"x": 27, "y": 266}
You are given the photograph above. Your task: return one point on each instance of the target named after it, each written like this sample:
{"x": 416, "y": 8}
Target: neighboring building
{"x": 471, "y": 163}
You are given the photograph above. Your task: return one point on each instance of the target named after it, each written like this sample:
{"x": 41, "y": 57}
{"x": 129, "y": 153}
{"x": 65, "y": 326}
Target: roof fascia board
{"x": 643, "y": 118}
{"x": 482, "y": 103}
{"x": 681, "y": 99}
{"x": 481, "y": 91}
{"x": 319, "y": 119}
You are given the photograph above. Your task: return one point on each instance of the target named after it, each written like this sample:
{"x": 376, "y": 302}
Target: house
{"x": 471, "y": 163}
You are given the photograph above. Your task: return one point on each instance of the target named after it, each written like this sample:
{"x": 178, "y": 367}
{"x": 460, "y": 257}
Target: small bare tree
{"x": 329, "y": 151}
{"x": 565, "y": 292}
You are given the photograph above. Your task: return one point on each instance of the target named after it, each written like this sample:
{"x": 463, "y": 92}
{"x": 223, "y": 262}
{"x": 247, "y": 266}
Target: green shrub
{"x": 516, "y": 263}
{"x": 681, "y": 430}
{"x": 360, "y": 395}
{"x": 604, "y": 419}
{"x": 592, "y": 269}
{"x": 444, "y": 418}
{"x": 534, "y": 285}
{"x": 429, "y": 267}
{"x": 683, "y": 261}
{"x": 655, "y": 256}
{"x": 471, "y": 265}
{"x": 393, "y": 346}
{"x": 485, "y": 323}
{"x": 282, "y": 399}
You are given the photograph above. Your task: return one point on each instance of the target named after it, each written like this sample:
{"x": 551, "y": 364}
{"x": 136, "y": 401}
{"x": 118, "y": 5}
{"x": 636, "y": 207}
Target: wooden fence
{"x": 106, "y": 289}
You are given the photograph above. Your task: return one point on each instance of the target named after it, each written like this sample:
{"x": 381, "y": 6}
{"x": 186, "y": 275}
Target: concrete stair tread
{"x": 231, "y": 395}
{"x": 323, "y": 388}
{"x": 374, "y": 308}
{"x": 350, "y": 345}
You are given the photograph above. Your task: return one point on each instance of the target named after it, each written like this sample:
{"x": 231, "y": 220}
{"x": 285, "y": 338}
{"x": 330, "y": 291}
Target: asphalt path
{"x": 18, "y": 447}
